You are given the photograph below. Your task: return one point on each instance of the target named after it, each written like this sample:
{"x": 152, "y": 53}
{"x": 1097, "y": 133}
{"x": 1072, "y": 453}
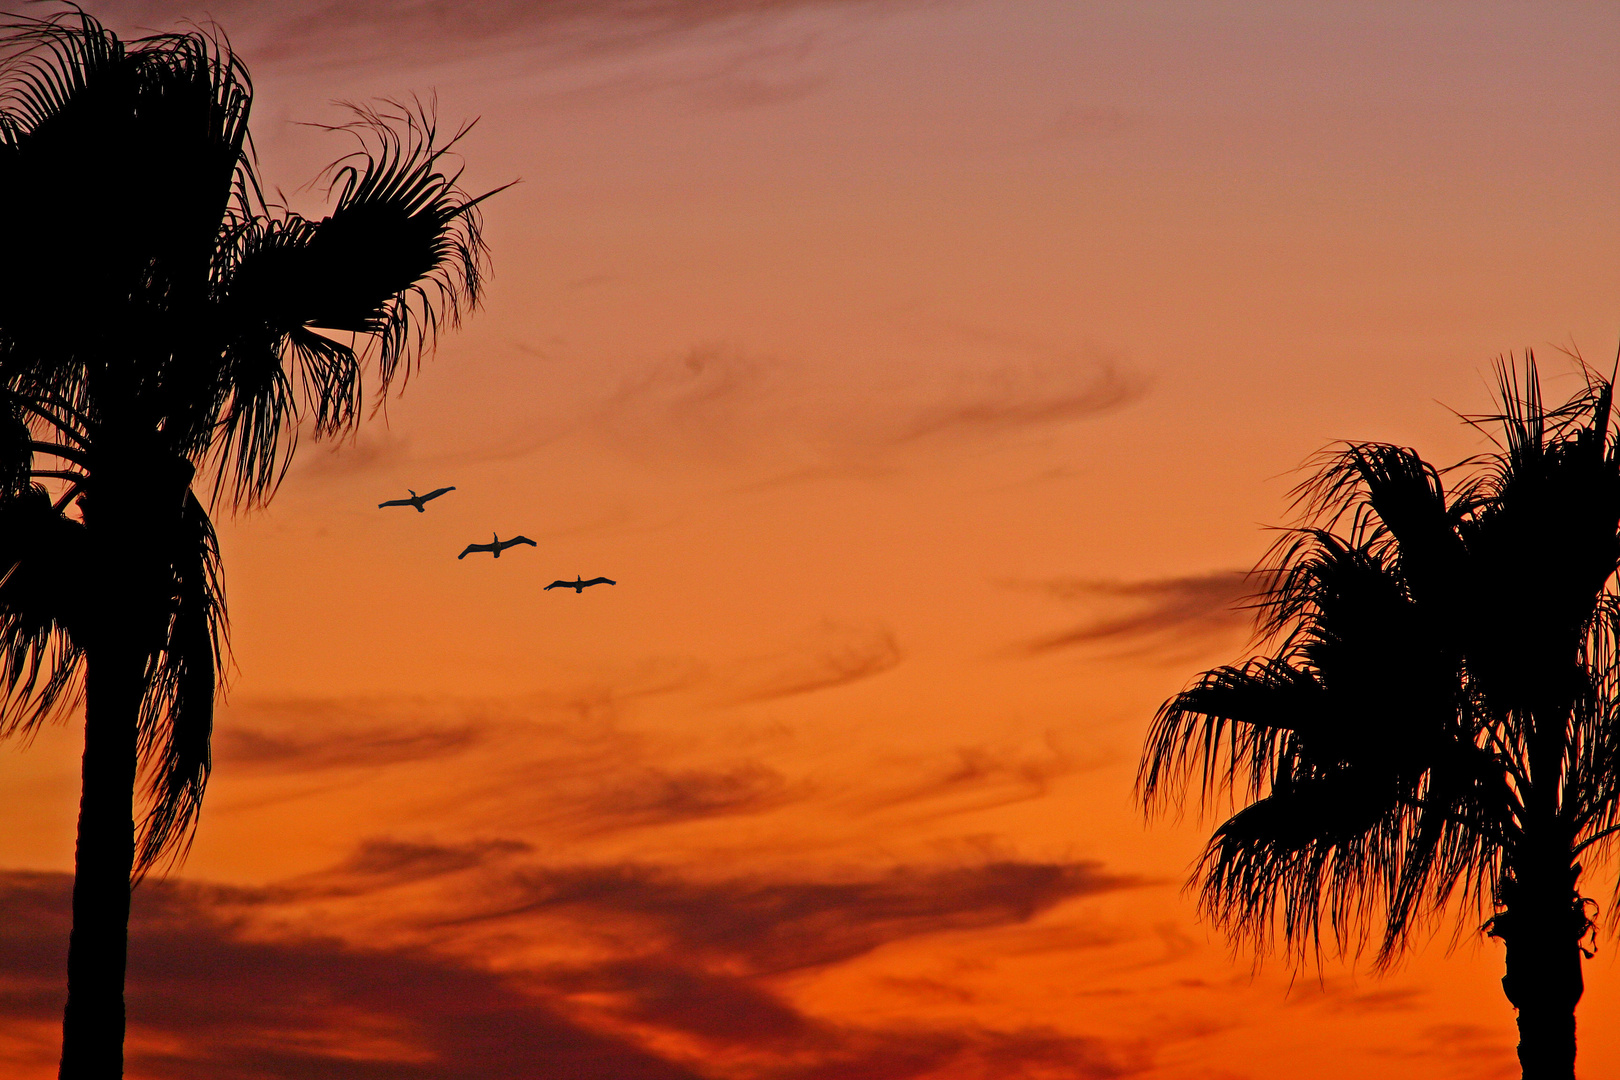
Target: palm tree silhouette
{"x": 158, "y": 319}
{"x": 1439, "y": 716}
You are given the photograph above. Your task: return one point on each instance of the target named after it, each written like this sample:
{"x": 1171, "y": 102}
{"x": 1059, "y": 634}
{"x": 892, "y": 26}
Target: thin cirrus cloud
{"x": 975, "y": 778}
{"x": 1162, "y": 616}
{"x": 215, "y": 992}
{"x": 836, "y": 656}
{"x": 419, "y": 30}
{"x": 721, "y": 405}
{"x": 569, "y": 766}
{"x": 262, "y": 749}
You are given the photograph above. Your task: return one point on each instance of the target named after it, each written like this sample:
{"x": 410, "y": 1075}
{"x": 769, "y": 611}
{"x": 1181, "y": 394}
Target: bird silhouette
{"x": 416, "y": 500}
{"x": 580, "y": 586}
{"x": 496, "y": 545}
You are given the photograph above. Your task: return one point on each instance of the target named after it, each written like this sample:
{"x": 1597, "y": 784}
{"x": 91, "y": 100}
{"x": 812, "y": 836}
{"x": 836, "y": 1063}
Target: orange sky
{"x": 921, "y": 371}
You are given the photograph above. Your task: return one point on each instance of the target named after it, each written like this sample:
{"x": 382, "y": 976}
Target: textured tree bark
{"x": 1542, "y": 929}
{"x": 93, "y": 1022}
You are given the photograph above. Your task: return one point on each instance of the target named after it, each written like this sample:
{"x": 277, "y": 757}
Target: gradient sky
{"x": 924, "y": 371}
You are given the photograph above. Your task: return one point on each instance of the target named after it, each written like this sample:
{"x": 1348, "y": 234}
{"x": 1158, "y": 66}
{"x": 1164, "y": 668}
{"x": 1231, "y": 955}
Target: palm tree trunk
{"x": 122, "y": 532}
{"x": 1542, "y": 929}
{"x": 93, "y": 1022}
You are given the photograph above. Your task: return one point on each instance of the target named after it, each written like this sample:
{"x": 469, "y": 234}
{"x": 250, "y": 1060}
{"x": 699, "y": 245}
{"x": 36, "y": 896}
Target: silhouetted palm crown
{"x": 160, "y": 319}
{"x": 1442, "y": 711}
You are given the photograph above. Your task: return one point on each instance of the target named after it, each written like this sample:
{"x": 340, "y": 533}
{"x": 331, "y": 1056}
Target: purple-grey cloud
{"x": 338, "y": 748}
{"x": 767, "y": 926}
{"x": 657, "y": 796}
{"x": 216, "y": 994}
{"x": 207, "y": 1000}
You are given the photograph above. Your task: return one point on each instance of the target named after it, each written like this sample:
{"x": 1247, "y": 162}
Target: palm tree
{"x": 162, "y": 324}
{"x": 1438, "y": 714}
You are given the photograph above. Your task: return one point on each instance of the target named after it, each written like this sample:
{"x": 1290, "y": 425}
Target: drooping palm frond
{"x": 43, "y": 568}
{"x": 1230, "y": 729}
{"x": 1315, "y": 854}
{"x": 177, "y": 713}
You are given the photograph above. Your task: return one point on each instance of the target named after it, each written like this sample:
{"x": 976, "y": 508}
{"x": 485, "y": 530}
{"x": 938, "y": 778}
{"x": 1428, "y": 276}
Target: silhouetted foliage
{"x": 1438, "y": 716}
{"x": 160, "y": 320}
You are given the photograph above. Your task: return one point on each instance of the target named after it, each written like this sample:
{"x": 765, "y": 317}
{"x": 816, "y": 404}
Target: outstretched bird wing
{"x": 599, "y": 581}
{"x": 396, "y": 502}
{"x": 519, "y": 540}
{"x": 435, "y": 494}
{"x": 475, "y": 547}
{"x": 559, "y": 585}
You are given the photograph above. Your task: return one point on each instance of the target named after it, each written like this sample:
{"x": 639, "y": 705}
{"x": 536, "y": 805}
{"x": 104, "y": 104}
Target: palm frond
{"x": 177, "y": 713}
{"x": 404, "y": 249}
{"x": 1230, "y": 728}
{"x": 401, "y": 255}
{"x": 1315, "y": 854}
{"x": 42, "y": 606}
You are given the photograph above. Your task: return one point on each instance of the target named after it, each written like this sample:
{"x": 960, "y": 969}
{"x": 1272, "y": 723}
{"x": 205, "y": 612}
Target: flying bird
{"x": 580, "y": 586}
{"x": 416, "y": 500}
{"x": 497, "y": 545}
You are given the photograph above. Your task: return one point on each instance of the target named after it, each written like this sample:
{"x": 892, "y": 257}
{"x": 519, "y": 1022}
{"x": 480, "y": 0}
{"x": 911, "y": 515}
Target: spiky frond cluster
{"x": 159, "y": 319}
{"x": 1441, "y": 692}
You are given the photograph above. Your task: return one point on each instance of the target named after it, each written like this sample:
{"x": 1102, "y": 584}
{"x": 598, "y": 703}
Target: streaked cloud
{"x": 974, "y": 778}
{"x": 765, "y": 926}
{"x": 1010, "y": 398}
{"x": 835, "y": 656}
{"x": 1161, "y": 615}
{"x": 420, "y": 31}
{"x": 782, "y": 417}
{"x": 363, "y": 747}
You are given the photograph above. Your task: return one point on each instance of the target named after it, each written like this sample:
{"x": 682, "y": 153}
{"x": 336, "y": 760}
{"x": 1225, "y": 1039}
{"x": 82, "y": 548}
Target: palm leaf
{"x": 42, "y": 608}
{"x": 401, "y": 255}
{"x": 177, "y": 713}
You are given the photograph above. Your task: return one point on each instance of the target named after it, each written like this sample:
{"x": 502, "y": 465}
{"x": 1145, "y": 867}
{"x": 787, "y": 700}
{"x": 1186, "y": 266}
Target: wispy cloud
{"x": 373, "y": 448}
{"x": 1010, "y": 399}
{"x": 1161, "y": 615}
{"x": 975, "y": 778}
{"x": 563, "y": 763}
{"x": 765, "y": 926}
{"x": 311, "y": 751}
{"x": 414, "y": 31}
{"x": 835, "y": 656}
{"x": 780, "y": 417}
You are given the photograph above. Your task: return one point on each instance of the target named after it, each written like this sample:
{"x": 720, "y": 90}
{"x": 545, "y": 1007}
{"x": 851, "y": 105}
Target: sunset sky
{"x": 925, "y": 372}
